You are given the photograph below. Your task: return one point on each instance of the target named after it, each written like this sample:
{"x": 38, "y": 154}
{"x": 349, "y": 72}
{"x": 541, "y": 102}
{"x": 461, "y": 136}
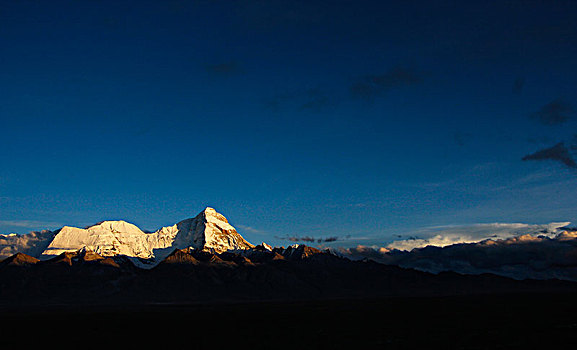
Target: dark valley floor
{"x": 517, "y": 321}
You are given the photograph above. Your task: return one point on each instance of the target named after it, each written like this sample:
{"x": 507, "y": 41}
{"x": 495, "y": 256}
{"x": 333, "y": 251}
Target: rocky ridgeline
{"x": 259, "y": 254}
{"x": 191, "y": 275}
{"x": 204, "y": 259}
{"x": 207, "y": 230}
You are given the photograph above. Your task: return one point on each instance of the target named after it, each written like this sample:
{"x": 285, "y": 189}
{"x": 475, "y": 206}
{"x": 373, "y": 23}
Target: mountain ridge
{"x": 197, "y": 276}
{"x": 207, "y": 230}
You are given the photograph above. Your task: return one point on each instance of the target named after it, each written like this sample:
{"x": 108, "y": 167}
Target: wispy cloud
{"x": 554, "y": 112}
{"x": 559, "y": 153}
{"x": 313, "y": 100}
{"x": 30, "y": 224}
{"x": 251, "y": 229}
{"x": 358, "y": 205}
{"x": 371, "y": 86}
{"x": 541, "y": 256}
{"x": 224, "y": 68}
{"x": 461, "y": 138}
{"x": 310, "y": 239}
{"x": 442, "y": 236}
{"x": 518, "y": 85}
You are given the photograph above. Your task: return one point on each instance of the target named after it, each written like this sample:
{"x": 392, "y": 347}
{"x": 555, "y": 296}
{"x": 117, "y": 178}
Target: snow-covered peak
{"x": 115, "y": 226}
{"x": 212, "y": 215}
{"x": 207, "y": 230}
{"x": 209, "y": 210}
{"x": 5, "y": 235}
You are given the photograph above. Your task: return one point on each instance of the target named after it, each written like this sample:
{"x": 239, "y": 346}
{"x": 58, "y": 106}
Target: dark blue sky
{"x": 358, "y": 119}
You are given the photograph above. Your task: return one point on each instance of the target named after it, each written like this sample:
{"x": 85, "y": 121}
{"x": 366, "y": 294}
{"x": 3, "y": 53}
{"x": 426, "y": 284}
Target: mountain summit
{"x": 209, "y": 230}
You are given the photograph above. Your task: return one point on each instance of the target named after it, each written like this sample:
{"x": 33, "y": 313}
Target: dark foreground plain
{"x": 514, "y": 321}
{"x": 283, "y": 299}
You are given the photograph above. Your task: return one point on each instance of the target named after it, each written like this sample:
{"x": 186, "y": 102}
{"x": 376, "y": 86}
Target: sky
{"x": 348, "y": 122}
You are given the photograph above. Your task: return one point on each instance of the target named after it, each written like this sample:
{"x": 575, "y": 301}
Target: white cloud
{"x": 532, "y": 251}
{"x": 32, "y": 243}
{"x": 31, "y": 224}
{"x": 442, "y": 236}
{"x": 251, "y": 229}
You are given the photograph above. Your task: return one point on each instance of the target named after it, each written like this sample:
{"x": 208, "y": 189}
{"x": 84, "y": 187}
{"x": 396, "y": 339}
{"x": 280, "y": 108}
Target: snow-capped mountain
{"x": 205, "y": 259}
{"x": 208, "y": 230}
